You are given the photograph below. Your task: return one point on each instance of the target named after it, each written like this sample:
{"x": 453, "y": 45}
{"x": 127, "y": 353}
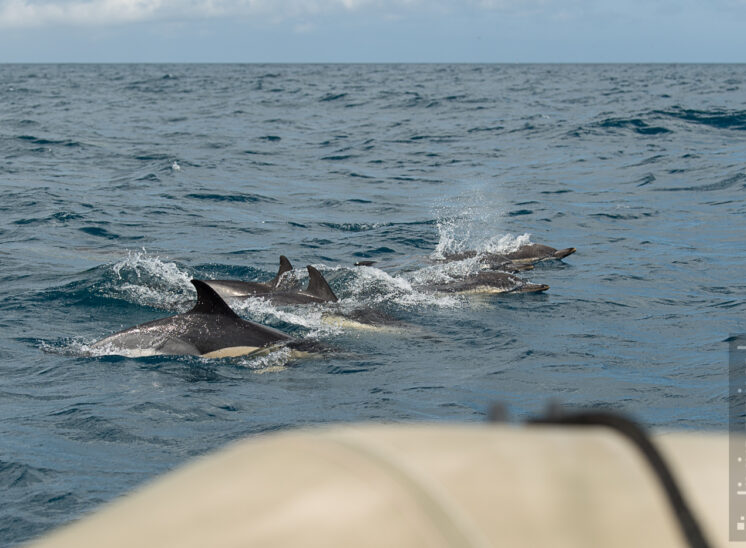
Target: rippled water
{"x": 122, "y": 182}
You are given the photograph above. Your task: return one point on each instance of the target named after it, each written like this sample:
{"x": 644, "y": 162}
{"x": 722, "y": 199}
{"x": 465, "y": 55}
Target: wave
{"x": 353, "y": 227}
{"x": 717, "y": 118}
{"x": 646, "y": 180}
{"x": 14, "y": 474}
{"x": 624, "y": 216}
{"x": 61, "y": 217}
{"x": 339, "y": 157}
{"x": 82, "y": 424}
{"x": 333, "y": 97}
{"x": 240, "y": 198}
{"x": 139, "y": 279}
{"x": 103, "y": 233}
{"x": 637, "y": 125}
{"x": 719, "y": 185}
{"x": 49, "y": 142}
{"x": 648, "y": 122}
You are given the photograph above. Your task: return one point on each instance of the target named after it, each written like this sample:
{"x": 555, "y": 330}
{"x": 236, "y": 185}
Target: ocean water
{"x": 120, "y": 183}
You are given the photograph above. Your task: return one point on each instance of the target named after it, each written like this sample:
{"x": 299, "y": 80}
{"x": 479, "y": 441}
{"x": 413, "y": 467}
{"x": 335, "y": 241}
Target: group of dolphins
{"x": 211, "y": 329}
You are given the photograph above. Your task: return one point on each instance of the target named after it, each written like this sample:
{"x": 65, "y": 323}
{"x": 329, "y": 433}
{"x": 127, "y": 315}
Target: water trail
{"x": 264, "y": 312}
{"x": 357, "y": 288}
{"x": 371, "y": 286}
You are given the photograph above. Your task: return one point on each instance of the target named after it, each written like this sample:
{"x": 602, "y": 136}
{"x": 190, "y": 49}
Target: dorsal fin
{"x": 318, "y": 287}
{"x": 285, "y": 266}
{"x": 209, "y": 302}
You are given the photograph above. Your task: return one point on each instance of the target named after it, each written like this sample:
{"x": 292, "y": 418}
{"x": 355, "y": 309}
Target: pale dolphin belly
{"x": 233, "y": 352}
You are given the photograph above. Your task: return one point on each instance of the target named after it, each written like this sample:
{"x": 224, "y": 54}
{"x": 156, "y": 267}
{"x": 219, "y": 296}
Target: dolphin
{"x": 363, "y": 318}
{"x": 318, "y": 291}
{"x": 489, "y": 282}
{"x": 210, "y": 329}
{"x": 513, "y": 261}
{"x": 498, "y": 261}
{"x": 532, "y": 253}
{"x": 488, "y": 260}
{"x": 237, "y": 288}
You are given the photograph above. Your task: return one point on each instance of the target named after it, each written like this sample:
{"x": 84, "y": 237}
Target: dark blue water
{"x": 122, "y": 182}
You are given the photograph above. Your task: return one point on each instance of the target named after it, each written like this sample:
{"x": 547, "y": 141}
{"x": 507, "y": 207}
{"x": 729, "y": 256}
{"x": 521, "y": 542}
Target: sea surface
{"x": 120, "y": 183}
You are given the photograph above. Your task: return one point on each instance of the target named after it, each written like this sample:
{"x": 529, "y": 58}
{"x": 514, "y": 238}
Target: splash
{"x": 372, "y": 286}
{"x": 445, "y": 272}
{"x": 264, "y": 312}
{"x": 66, "y": 347}
{"x": 455, "y": 237}
{"x": 451, "y": 237}
{"x": 468, "y": 220}
{"x": 272, "y": 361}
{"x": 147, "y": 280}
{"x": 472, "y": 222}
{"x": 371, "y": 282}
{"x": 79, "y": 348}
{"x": 506, "y": 243}
{"x": 357, "y": 288}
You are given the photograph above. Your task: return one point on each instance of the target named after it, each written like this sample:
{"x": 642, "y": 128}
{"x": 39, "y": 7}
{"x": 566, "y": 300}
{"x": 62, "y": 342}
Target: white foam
{"x": 468, "y": 220}
{"x": 371, "y": 280}
{"x": 274, "y": 360}
{"x": 456, "y": 236}
{"x": 365, "y": 287}
{"x": 264, "y": 312}
{"x": 446, "y": 272}
{"x": 74, "y": 347}
{"x": 150, "y": 281}
{"x": 79, "y": 348}
{"x": 506, "y": 243}
{"x": 113, "y": 350}
{"x": 451, "y": 238}
{"x": 373, "y": 286}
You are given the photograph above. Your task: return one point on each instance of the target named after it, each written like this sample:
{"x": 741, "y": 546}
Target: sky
{"x": 369, "y": 31}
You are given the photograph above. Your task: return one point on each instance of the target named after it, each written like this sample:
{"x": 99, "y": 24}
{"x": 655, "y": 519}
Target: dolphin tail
{"x": 562, "y": 253}
{"x": 285, "y": 266}
{"x": 318, "y": 287}
{"x": 209, "y": 302}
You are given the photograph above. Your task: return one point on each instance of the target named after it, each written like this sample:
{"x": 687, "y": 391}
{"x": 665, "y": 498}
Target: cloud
{"x": 23, "y": 13}
{"x": 44, "y": 13}
{"x": 39, "y": 13}
{"x": 36, "y": 13}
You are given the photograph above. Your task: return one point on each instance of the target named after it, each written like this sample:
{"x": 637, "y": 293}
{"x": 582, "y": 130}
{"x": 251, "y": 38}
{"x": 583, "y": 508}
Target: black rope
{"x": 635, "y": 433}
